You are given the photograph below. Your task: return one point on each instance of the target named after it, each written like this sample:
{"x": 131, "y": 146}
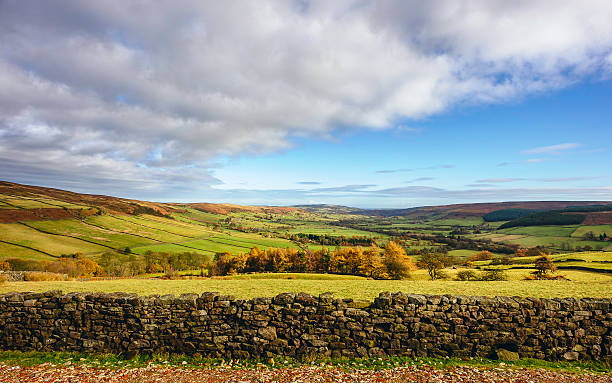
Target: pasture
{"x": 583, "y": 284}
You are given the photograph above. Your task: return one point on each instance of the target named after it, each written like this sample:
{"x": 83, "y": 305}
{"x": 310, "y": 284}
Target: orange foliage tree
{"x": 399, "y": 265}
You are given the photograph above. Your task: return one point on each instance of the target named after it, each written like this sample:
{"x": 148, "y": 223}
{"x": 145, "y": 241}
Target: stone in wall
{"x": 306, "y": 327}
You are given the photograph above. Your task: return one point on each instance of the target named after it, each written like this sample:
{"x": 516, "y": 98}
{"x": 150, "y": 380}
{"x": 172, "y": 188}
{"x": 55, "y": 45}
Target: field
{"x": 108, "y": 224}
{"x": 555, "y": 237}
{"x": 44, "y": 243}
{"x": 582, "y": 284}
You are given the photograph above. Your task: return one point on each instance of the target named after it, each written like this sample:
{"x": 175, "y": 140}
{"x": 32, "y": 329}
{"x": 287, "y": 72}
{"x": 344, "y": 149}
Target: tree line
{"x": 392, "y": 262}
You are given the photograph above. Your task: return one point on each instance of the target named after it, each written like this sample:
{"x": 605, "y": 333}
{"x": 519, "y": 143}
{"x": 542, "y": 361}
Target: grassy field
{"x": 542, "y": 231}
{"x": 53, "y": 244}
{"x": 471, "y": 221}
{"x": 190, "y": 229}
{"x": 117, "y": 224}
{"x": 583, "y": 284}
{"x": 318, "y": 228}
{"x": 75, "y": 228}
{"x": 535, "y": 236}
{"x": 36, "y": 203}
{"x": 366, "y": 289}
{"x": 12, "y": 251}
{"x": 168, "y": 225}
{"x": 596, "y": 261}
{"x": 596, "y": 229}
{"x": 462, "y": 253}
{"x": 170, "y": 248}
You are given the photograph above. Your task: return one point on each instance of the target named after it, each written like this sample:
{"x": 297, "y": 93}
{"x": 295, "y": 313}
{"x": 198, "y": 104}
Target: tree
{"x": 543, "y": 266}
{"x": 521, "y": 253}
{"x": 87, "y": 268}
{"x": 482, "y": 256}
{"x": 398, "y": 264}
{"x": 5, "y": 266}
{"x": 433, "y": 262}
{"x": 373, "y": 264}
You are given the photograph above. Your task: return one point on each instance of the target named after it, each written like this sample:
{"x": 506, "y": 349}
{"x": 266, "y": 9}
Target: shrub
{"x": 505, "y": 260}
{"x": 171, "y": 274}
{"x": 466, "y": 275}
{"x": 18, "y": 264}
{"x": 493, "y": 275}
{"x": 35, "y": 276}
{"x": 489, "y": 275}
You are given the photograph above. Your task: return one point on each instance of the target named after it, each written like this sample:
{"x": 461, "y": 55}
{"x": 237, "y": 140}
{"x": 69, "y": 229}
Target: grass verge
{"x": 114, "y": 361}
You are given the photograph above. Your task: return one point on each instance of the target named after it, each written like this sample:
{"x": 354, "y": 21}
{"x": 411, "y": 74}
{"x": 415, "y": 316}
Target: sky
{"x": 384, "y": 104}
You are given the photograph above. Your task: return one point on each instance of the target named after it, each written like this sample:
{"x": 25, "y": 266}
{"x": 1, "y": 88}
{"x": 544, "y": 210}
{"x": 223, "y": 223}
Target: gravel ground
{"x": 78, "y": 374}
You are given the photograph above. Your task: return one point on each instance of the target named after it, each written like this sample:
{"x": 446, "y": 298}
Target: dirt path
{"x": 77, "y": 374}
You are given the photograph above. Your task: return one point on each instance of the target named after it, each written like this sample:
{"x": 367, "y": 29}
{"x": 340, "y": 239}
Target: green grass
{"x": 596, "y": 256}
{"x": 468, "y": 221}
{"x": 199, "y": 216}
{"x": 593, "y": 260}
{"x": 542, "y": 231}
{"x": 171, "y": 226}
{"x": 217, "y": 247}
{"x": 251, "y": 240}
{"x": 95, "y": 234}
{"x": 24, "y": 203}
{"x": 53, "y": 244}
{"x": 462, "y": 253}
{"x": 596, "y": 229}
{"x": 115, "y": 361}
{"x": 112, "y": 223}
{"x": 31, "y": 203}
{"x": 11, "y": 251}
{"x": 531, "y": 241}
{"x": 168, "y": 248}
{"x": 332, "y": 230}
{"x": 583, "y": 284}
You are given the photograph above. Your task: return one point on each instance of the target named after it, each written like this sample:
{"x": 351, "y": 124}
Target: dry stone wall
{"x": 304, "y": 326}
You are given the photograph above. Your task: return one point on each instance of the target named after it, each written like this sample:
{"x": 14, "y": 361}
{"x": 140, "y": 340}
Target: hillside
{"x": 474, "y": 209}
{"x": 43, "y": 223}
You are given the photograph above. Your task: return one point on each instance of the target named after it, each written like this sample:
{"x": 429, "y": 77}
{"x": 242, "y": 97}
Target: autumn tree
{"x": 482, "y": 256}
{"x": 374, "y": 266}
{"x": 433, "y": 262}
{"x": 398, "y": 264}
{"x": 536, "y": 252}
{"x": 5, "y": 266}
{"x": 543, "y": 266}
{"x": 86, "y": 268}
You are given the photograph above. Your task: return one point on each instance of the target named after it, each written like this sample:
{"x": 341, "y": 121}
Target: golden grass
{"x": 583, "y": 284}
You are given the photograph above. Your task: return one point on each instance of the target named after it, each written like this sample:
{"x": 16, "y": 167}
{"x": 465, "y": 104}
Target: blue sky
{"x": 390, "y": 103}
{"x": 506, "y": 146}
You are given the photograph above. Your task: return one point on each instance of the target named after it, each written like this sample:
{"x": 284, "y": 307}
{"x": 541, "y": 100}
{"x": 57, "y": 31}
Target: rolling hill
{"x": 42, "y": 223}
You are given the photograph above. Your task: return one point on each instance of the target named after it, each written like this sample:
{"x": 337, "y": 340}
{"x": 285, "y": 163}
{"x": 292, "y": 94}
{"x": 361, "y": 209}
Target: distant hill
{"x": 51, "y": 204}
{"x": 78, "y": 204}
{"x": 453, "y": 211}
{"x": 330, "y": 209}
{"x": 225, "y": 208}
{"x": 71, "y": 204}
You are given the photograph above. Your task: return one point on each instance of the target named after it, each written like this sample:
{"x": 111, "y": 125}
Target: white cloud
{"x": 186, "y": 81}
{"x": 552, "y": 149}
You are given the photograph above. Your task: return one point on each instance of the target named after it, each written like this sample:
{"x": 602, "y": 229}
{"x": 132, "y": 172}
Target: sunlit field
{"x": 582, "y": 284}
